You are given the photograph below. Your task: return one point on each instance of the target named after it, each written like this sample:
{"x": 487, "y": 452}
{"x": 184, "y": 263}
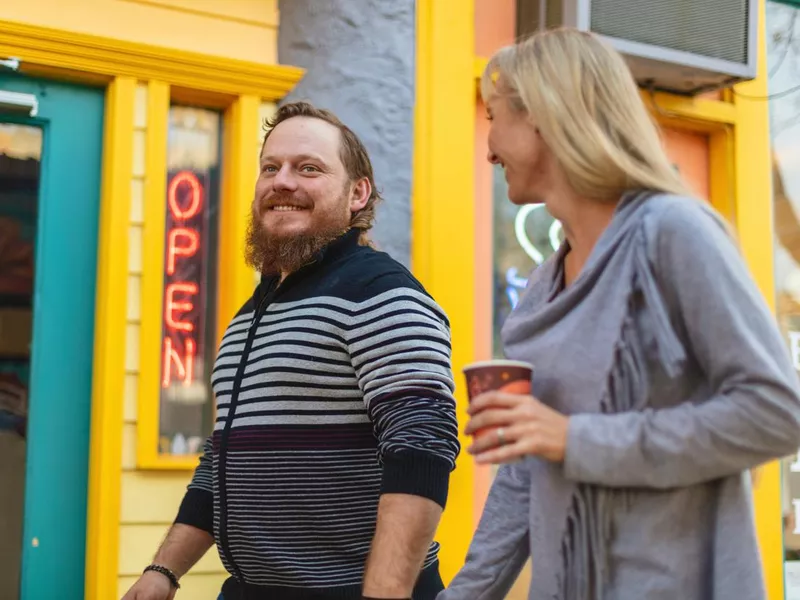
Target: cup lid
{"x": 498, "y": 363}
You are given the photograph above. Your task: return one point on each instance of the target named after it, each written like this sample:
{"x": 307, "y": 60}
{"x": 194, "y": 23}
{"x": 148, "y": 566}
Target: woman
{"x": 660, "y": 376}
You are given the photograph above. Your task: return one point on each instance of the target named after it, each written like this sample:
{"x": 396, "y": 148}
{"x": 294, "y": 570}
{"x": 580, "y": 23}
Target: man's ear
{"x": 360, "y": 194}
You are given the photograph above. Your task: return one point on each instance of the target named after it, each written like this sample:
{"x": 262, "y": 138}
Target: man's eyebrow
{"x": 297, "y": 158}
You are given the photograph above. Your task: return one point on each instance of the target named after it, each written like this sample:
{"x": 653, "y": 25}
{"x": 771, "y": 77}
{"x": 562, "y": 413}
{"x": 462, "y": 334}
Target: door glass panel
{"x": 20, "y": 160}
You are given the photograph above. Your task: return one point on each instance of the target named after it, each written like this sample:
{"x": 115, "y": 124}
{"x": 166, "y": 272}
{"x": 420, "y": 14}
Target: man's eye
{"x": 269, "y": 168}
{"x": 309, "y": 169}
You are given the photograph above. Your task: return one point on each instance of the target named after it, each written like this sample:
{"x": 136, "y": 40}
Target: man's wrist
{"x": 166, "y": 572}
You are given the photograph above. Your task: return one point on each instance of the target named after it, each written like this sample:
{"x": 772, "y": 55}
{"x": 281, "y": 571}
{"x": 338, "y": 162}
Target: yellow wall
{"x": 150, "y": 499}
{"x": 240, "y": 29}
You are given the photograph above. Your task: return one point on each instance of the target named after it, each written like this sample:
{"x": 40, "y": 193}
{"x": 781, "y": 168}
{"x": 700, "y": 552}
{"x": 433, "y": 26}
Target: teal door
{"x": 52, "y": 227}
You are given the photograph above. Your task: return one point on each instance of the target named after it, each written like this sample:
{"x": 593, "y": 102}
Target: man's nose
{"x": 492, "y": 157}
{"x": 284, "y": 180}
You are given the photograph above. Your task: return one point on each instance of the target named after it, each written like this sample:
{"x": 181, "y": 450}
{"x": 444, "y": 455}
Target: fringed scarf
{"x": 589, "y": 355}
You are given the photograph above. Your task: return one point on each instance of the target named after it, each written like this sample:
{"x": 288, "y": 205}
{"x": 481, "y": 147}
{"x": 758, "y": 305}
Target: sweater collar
{"x": 341, "y": 246}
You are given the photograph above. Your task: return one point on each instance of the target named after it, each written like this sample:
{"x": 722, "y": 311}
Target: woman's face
{"x": 516, "y": 145}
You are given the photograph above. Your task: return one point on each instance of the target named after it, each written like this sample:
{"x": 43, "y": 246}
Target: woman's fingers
{"x": 491, "y": 417}
{"x": 496, "y": 400}
{"x": 528, "y": 427}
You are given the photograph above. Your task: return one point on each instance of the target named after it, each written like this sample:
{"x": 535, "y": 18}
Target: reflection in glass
{"x": 523, "y": 238}
{"x": 188, "y": 318}
{"x": 20, "y": 160}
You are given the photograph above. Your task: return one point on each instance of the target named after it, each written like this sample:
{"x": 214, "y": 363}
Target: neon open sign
{"x": 184, "y": 280}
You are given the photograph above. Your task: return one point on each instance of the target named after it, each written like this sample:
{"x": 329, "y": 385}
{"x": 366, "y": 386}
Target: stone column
{"x": 359, "y": 61}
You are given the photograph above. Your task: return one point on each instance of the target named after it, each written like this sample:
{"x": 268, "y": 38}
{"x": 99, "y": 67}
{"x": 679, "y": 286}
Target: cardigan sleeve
{"x": 500, "y": 545}
{"x": 752, "y": 414}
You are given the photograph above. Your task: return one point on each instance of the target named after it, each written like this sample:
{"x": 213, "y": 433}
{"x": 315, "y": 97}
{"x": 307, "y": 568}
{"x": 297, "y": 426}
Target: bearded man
{"x": 328, "y": 468}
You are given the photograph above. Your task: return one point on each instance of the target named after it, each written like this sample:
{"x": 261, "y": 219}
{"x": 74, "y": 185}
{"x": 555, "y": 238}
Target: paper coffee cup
{"x": 508, "y": 376}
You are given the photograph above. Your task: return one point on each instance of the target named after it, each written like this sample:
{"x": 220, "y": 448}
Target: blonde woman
{"x": 660, "y": 375}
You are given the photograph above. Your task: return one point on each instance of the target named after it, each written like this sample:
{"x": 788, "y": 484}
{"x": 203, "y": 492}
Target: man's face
{"x": 303, "y": 188}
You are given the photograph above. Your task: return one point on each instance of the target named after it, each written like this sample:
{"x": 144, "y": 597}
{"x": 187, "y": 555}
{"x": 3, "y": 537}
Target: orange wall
{"x": 689, "y": 151}
{"x": 495, "y": 25}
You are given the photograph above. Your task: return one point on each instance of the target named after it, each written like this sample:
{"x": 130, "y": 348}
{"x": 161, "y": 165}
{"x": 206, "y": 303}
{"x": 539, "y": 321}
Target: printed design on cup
{"x": 510, "y": 380}
{"x": 503, "y": 376}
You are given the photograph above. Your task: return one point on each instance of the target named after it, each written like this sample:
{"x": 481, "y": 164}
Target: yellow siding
{"x": 138, "y": 543}
{"x": 150, "y": 498}
{"x": 242, "y": 29}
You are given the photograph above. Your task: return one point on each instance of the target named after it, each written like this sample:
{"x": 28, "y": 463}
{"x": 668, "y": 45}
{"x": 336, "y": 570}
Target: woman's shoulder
{"x": 682, "y": 221}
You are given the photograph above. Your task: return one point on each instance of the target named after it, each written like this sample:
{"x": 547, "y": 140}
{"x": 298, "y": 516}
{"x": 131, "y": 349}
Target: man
{"x": 328, "y": 468}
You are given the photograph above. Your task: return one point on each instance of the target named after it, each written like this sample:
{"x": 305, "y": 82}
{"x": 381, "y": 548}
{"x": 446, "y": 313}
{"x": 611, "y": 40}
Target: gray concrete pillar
{"x": 359, "y": 61}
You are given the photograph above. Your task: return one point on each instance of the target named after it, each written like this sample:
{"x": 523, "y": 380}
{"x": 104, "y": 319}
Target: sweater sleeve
{"x": 500, "y": 545}
{"x": 753, "y": 412}
{"x": 197, "y": 507}
{"x": 399, "y": 345}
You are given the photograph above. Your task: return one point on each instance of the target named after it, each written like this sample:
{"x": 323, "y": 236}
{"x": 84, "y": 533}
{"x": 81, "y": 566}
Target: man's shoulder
{"x": 370, "y": 273}
{"x": 375, "y": 281}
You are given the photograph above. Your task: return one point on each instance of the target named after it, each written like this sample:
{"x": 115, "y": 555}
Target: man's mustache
{"x": 285, "y": 200}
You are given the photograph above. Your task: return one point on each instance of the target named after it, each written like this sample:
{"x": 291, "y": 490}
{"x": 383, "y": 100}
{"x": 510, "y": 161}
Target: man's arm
{"x": 406, "y": 525}
{"x": 182, "y": 548}
{"x": 400, "y": 348}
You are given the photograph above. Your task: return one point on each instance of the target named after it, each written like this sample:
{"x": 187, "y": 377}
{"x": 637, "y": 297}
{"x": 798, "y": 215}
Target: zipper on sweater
{"x": 223, "y": 444}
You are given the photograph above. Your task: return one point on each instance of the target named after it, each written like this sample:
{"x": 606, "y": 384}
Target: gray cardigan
{"x": 677, "y": 382}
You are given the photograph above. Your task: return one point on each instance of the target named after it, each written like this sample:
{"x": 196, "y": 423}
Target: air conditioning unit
{"x": 680, "y": 46}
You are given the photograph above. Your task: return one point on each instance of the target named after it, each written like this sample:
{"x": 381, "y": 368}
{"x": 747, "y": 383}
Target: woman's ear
{"x": 360, "y": 194}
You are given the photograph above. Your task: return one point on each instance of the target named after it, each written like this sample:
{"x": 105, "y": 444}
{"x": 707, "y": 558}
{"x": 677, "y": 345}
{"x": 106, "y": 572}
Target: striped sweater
{"x": 332, "y": 388}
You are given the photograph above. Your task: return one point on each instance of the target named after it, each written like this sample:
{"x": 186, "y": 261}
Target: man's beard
{"x": 272, "y": 254}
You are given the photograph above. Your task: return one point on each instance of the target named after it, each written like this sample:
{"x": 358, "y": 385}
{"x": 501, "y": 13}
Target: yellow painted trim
{"x": 444, "y": 216}
{"x": 108, "y": 369}
{"x": 480, "y": 63}
{"x": 722, "y": 167}
{"x": 699, "y": 113}
{"x": 91, "y": 57}
{"x": 239, "y": 175}
{"x": 754, "y": 221}
{"x": 147, "y": 455}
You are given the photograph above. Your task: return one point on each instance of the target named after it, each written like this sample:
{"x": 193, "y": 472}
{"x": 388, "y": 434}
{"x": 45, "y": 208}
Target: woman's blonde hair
{"x": 587, "y": 107}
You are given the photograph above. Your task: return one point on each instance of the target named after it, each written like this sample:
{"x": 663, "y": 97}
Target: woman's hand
{"x": 517, "y": 426}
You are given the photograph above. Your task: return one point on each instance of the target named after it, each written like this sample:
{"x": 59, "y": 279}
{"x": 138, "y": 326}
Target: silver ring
{"x": 501, "y": 436}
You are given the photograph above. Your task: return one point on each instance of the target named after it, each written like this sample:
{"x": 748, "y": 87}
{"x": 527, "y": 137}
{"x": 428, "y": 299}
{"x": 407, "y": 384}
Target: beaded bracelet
{"x": 166, "y": 573}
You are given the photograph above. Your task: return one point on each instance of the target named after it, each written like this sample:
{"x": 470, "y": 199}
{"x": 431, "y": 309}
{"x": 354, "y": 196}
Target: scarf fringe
{"x": 588, "y": 531}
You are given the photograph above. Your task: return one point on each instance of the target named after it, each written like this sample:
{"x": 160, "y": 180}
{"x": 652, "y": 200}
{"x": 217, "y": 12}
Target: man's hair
{"x": 352, "y": 152}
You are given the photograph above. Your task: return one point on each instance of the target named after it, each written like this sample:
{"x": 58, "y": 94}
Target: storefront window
{"x": 783, "y": 58}
{"x": 523, "y": 237}
{"x": 186, "y": 413}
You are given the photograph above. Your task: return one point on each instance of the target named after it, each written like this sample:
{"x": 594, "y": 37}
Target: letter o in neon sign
{"x": 190, "y": 179}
